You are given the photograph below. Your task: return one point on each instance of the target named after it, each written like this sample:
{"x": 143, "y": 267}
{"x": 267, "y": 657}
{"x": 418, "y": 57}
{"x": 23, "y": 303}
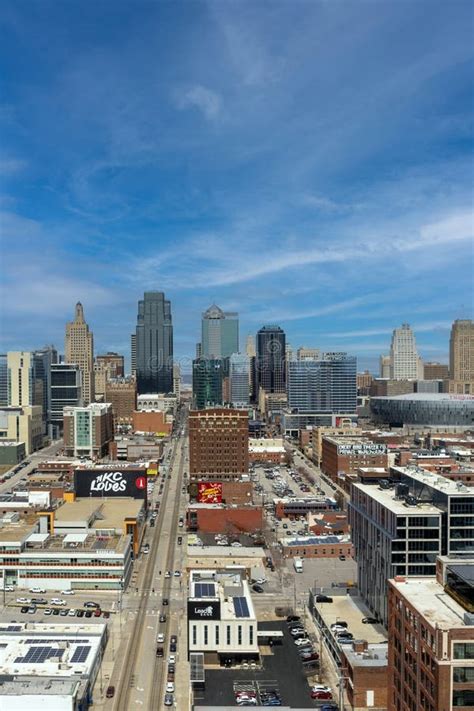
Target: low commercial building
{"x": 364, "y": 667}
{"x": 12, "y": 452}
{"x": 154, "y": 422}
{"x": 219, "y": 518}
{"x": 104, "y": 517}
{"x": 328, "y": 522}
{"x": 344, "y": 429}
{"x": 292, "y": 508}
{"x": 431, "y": 642}
{"x": 342, "y": 456}
{"x": 87, "y": 560}
{"x": 267, "y": 450}
{"x": 316, "y": 546}
{"x": 222, "y": 623}
{"x": 50, "y": 665}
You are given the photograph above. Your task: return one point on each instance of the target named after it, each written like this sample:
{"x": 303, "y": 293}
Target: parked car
{"x": 37, "y": 590}
{"x": 39, "y": 601}
{"x": 169, "y": 687}
{"x": 47, "y": 611}
{"x": 91, "y": 604}
{"x": 58, "y": 601}
{"x": 168, "y": 574}
{"x": 9, "y": 588}
{"x": 325, "y": 695}
{"x": 80, "y": 613}
{"x": 342, "y": 557}
{"x": 160, "y": 638}
{"x": 97, "y": 613}
{"x": 303, "y": 641}
{"x": 67, "y": 592}
{"x": 55, "y": 611}
{"x": 72, "y": 612}
{"x": 370, "y": 620}
{"x": 293, "y": 618}
{"x": 257, "y": 588}
{"x": 329, "y": 707}
{"x": 87, "y": 613}
{"x": 24, "y": 609}
{"x": 162, "y": 617}
{"x": 159, "y": 652}
{"x": 168, "y": 700}
{"x": 166, "y": 601}
{"x": 339, "y": 623}
{"x": 172, "y": 659}
{"x": 180, "y": 540}
{"x": 32, "y": 609}
{"x": 177, "y": 573}
{"x": 323, "y": 598}
{"x": 23, "y": 600}
{"x": 172, "y": 647}
{"x": 173, "y": 639}
{"x": 110, "y": 692}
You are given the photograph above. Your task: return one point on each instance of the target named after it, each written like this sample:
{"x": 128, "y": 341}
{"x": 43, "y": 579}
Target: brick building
{"x": 365, "y": 668}
{"x": 267, "y": 450}
{"x": 218, "y": 443}
{"x": 344, "y": 456}
{"x": 122, "y": 395}
{"x": 317, "y": 547}
{"x": 218, "y": 518}
{"x": 154, "y": 421}
{"x": 431, "y": 642}
{"x": 88, "y": 430}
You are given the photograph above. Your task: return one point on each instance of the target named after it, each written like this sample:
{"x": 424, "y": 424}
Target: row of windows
{"x": 228, "y": 635}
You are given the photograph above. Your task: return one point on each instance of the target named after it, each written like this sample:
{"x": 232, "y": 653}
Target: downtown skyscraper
{"x": 219, "y": 333}
{"x": 79, "y": 349}
{"x": 271, "y": 359}
{"x": 154, "y": 344}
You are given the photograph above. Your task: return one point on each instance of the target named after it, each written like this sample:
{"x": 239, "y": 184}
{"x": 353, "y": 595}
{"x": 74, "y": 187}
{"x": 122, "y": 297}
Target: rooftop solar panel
{"x": 11, "y": 628}
{"x": 205, "y": 590}
{"x": 38, "y": 655}
{"x": 241, "y": 607}
{"x": 80, "y": 654}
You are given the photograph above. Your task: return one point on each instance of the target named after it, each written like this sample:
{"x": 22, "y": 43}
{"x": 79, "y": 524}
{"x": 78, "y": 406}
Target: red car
{"x": 319, "y": 694}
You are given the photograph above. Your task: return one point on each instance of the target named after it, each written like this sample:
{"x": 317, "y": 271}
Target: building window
{"x": 251, "y": 635}
{"x": 239, "y": 634}
{"x": 206, "y": 635}
{"x": 217, "y": 635}
{"x": 464, "y": 651}
{"x": 463, "y": 675}
{"x": 228, "y": 634}
{"x": 194, "y": 634}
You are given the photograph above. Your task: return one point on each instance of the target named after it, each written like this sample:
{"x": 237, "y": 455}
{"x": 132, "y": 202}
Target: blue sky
{"x": 303, "y": 163}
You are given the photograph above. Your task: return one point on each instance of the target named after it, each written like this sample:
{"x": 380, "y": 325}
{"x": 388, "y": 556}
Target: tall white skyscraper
{"x": 239, "y": 376}
{"x": 405, "y": 362}
{"x": 79, "y": 349}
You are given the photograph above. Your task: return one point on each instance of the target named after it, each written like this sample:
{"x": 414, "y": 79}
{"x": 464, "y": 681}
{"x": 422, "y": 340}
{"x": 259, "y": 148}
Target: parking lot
{"x": 281, "y": 670}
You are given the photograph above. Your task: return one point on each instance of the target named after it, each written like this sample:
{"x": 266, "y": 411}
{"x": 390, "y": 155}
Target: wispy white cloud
{"x": 200, "y": 97}
{"x": 368, "y": 332}
{"x": 11, "y": 166}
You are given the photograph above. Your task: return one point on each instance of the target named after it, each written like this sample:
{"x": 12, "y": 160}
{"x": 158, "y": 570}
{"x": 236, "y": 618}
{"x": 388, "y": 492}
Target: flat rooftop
{"x": 376, "y": 655}
{"x": 442, "y": 483}
{"x": 100, "y": 512}
{"x": 386, "y": 497}
{"x": 427, "y": 596}
{"x": 46, "y": 686}
{"x": 352, "y": 610}
{"x": 16, "y": 532}
{"x": 229, "y": 588}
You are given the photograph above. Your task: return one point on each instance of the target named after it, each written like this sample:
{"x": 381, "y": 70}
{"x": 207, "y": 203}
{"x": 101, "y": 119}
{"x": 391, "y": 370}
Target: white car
{"x": 172, "y": 659}
{"x": 301, "y": 642}
{"x": 160, "y": 638}
{"x": 261, "y": 581}
{"x": 47, "y": 611}
{"x": 23, "y": 600}
{"x": 57, "y": 601}
{"x": 9, "y": 588}
{"x": 169, "y": 687}
{"x": 37, "y": 590}
{"x": 67, "y": 592}
{"x": 72, "y": 612}
{"x": 236, "y": 544}
{"x": 321, "y": 687}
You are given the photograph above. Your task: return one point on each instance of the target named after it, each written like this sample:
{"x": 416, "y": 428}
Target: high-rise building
{"x": 112, "y": 363}
{"x": 289, "y": 353}
{"x": 325, "y": 385}
{"x": 177, "y": 380}
{"x": 250, "y": 346}
{"x": 208, "y": 376}
{"x": 43, "y": 361}
{"x": 121, "y": 393}
{"x": 3, "y": 380}
{"x": 431, "y": 640}
{"x": 154, "y": 344}
{"x": 404, "y": 360}
{"x": 88, "y": 430}
{"x": 79, "y": 349}
{"x": 219, "y": 333}
{"x": 239, "y": 376}
{"x": 66, "y": 391}
{"x": 364, "y": 381}
{"x": 218, "y": 443}
{"x": 384, "y": 366}
{"x": 461, "y": 357}
{"x": 401, "y": 530}
{"x": 270, "y": 361}
{"x": 133, "y": 354}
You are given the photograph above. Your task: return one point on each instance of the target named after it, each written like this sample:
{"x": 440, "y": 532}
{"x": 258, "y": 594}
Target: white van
{"x": 298, "y": 565}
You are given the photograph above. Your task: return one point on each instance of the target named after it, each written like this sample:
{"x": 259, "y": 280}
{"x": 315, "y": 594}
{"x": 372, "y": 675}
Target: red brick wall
{"x": 150, "y": 422}
{"x": 246, "y": 520}
{"x": 323, "y": 550}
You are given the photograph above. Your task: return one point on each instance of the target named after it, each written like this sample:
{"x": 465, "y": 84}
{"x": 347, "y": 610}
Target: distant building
{"x": 218, "y": 443}
{"x": 23, "y": 424}
{"x": 461, "y": 357}
{"x": 208, "y": 375}
{"x": 154, "y": 422}
{"x": 343, "y": 456}
{"x": 154, "y": 344}
{"x": 88, "y": 430}
{"x": 384, "y": 366}
{"x": 424, "y": 409}
{"x": 66, "y": 391}
{"x": 239, "y": 375}
{"x": 79, "y": 349}
{"x": 3, "y": 380}
{"x": 364, "y": 381}
{"x": 327, "y": 385}
{"x": 250, "y": 346}
{"x": 405, "y": 363}
{"x": 133, "y": 354}
{"x": 177, "y": 380}
{"x": 219, "y": 333}
{"x": 270, "y": 361}
{"x": 383, "y": 387}
{"x": 308, "y": 353}
{"x": 121, "y": 393}
{"x": 111, "y": 362}
{"x": 435, "y": 371}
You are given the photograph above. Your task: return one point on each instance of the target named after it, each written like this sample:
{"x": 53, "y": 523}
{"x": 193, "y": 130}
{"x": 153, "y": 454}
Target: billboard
{"x": 204, "y": 610}
{"x": 209, "y": 492}
{"x": 110, "y": 482}
{"x": 362, "y": 448}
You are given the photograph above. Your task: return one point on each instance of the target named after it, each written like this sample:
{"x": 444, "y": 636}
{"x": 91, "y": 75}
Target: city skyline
{"x": 129, "y": 165}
